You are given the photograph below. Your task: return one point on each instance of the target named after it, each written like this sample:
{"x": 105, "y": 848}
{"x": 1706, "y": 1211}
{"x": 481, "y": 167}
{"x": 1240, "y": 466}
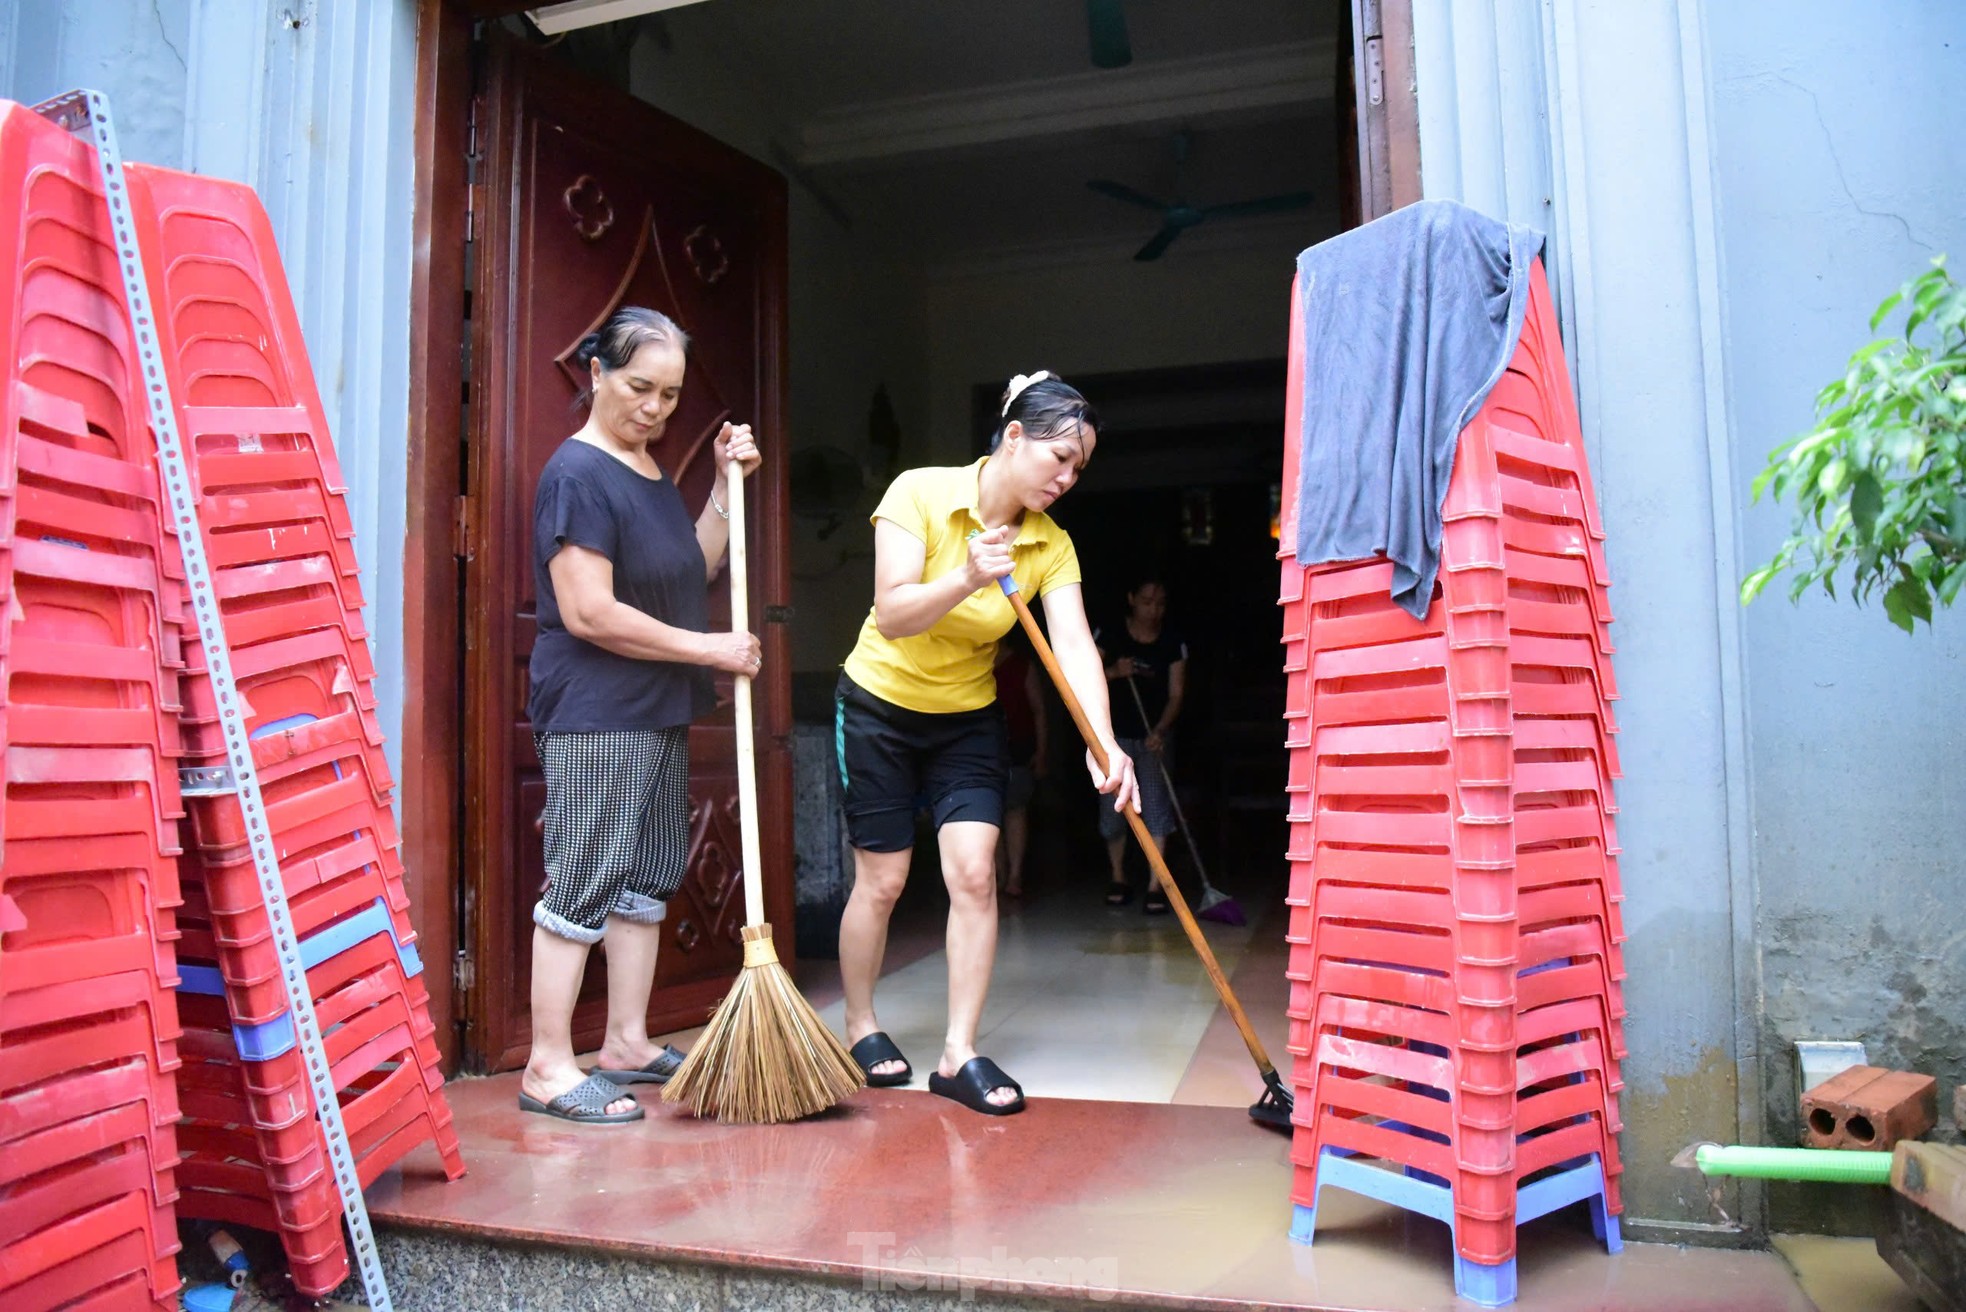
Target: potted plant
{"x": 1878, "y": 486}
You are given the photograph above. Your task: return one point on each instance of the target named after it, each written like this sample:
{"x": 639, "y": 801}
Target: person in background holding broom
{"x": 1143, "y": 651}
{"x": 917, "y": 712}
{"x": 619, "y": 670}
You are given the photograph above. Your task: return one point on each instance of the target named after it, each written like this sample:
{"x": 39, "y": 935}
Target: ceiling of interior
{"x": 964, "y": 132}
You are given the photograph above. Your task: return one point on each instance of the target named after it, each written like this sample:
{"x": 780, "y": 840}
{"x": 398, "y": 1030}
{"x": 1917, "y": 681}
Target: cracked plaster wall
{"x": 309, "y": 102}
{"x": 135, "y": 50}
{"x": 1840, "y": 169}
{"x": 1576, "y": 119}
{"x": 1731, "y": 186}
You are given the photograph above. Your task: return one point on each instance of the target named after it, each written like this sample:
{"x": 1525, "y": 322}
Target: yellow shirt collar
{"x": 1027, "y": 532}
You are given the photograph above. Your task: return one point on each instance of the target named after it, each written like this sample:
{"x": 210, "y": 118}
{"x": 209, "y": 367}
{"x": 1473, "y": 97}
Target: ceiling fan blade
{"x": 1105, "y": 22}
{"x": 1120, "y": 191}
{"x": 1159, "y": 242}
{"x": 1242, "y": 209}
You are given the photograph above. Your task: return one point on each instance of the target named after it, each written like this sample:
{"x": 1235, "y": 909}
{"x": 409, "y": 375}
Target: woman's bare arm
{"x": 1078, "y": 657}
{"x": 904, "y": 602}
{"x": 583, "y": 583}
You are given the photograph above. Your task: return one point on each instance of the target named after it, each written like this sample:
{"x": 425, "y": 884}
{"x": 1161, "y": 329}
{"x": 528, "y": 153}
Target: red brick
{"x": 1822, "y": 1115}
{"x": 1869, "y": 1108}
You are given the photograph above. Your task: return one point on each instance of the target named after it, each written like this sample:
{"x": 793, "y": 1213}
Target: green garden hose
{"x": 1826, "y": 1166}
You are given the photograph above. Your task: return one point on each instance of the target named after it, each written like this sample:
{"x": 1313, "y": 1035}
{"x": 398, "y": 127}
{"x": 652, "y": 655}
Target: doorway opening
{"x": 969, "y": 194}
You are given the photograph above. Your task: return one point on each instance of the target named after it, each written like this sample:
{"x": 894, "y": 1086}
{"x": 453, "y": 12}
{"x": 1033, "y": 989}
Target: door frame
{"x": 1389, "y": 127}
{"x": 433, "y": 638}
{"x": 432, "y": 575}
{"x": 511, "y": 72}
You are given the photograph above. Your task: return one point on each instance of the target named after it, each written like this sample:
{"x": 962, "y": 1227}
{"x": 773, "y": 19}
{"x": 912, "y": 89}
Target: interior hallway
{"x": 1088, "y": 1001}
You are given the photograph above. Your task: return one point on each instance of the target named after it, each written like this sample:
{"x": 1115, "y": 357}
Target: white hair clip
{"x": 1019, "y": 383}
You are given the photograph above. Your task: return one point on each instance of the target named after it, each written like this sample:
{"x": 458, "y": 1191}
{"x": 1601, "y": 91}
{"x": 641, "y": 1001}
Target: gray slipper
{"x": 666, "y": 1064}
{"x": 586, "y": 1103}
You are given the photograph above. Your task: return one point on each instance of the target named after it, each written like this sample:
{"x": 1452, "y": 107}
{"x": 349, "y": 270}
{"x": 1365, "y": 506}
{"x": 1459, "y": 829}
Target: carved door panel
{"x": 590, "y": 200}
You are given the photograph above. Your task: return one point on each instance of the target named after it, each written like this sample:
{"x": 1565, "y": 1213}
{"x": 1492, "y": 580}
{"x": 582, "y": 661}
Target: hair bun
{"x": 588, "y": 350}
{"x": 1017, "y": 386}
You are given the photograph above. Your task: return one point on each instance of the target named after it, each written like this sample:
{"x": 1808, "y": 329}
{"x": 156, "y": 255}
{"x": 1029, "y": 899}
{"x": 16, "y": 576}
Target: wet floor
{"x": 1179, "y": 1206}
{"x": 1134, "y": 1174}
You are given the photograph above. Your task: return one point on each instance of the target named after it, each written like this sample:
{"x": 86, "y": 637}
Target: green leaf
{"x": 1949, "y": 590}
{"x": 1760, "y": 483}
{"x": 1830, "y": 481}
{"x": 1897, "y": 608}
{"x": 1866, "y": 502}
{"x": 1919, "y": 595}
{"x": 1884, "y": 310}
{"x": 1924, "y": 303}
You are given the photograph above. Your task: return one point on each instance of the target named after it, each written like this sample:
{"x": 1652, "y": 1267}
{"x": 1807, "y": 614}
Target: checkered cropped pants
{"x": 617, "y": 827}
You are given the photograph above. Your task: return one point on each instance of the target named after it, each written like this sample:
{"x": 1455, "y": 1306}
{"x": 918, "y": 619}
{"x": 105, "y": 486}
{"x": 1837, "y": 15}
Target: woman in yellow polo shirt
{"x": 918, "y": 721}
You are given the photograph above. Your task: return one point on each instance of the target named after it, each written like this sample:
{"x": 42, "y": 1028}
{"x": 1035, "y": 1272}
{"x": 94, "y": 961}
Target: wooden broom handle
{"x": 747, "y": 749}
{"x": 1139, "y": 827}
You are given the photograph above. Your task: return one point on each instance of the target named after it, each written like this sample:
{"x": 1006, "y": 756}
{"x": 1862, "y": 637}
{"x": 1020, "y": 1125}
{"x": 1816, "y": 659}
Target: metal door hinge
{"x": 472, "y": 180}
{"x": 464, "y": 530}
{"x": 464, "y": 974}
{"x": 1375, "y": 70}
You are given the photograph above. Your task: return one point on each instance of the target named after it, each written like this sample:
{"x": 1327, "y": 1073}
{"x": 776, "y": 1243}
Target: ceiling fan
{"x": 1106, "y": 35}
{"x": 1178, "y": 216}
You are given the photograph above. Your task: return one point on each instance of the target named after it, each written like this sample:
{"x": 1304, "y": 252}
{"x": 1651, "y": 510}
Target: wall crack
{"x": 1842, "y": 180}
{"x": 157, "y": 12}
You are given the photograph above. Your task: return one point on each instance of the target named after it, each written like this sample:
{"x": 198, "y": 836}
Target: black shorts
{"x": 894, "y": 761}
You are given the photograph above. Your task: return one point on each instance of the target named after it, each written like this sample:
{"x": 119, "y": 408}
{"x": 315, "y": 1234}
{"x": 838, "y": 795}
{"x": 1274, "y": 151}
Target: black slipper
{"x": 971, "y": 1086}
{"x": 1118, "y": 895}
{"x": 585, "y": 1103}
{"x": 875, "y": 1049}
{"x": 666, "y": 1064}
{"x": 1154, "y": 904}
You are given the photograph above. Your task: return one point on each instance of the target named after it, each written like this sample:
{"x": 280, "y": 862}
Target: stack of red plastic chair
{"x": 1456, "y": 1011}
{"x": 90, "y": 655}
{"x": 278, "y": 537}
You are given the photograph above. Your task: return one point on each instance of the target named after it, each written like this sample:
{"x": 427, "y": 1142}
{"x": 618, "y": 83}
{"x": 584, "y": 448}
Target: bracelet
{"x": 717, "y": 505}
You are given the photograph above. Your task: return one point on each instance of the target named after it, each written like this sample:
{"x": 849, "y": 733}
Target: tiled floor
{"x": 1086, "y": 1002}
{"x": 1134, "y": 1173}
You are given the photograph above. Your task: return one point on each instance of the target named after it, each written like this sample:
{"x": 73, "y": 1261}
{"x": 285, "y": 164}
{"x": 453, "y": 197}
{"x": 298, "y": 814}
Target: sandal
{"x": 666, "y": 1064}
{"x": 871, "y": 1052}
{"x": 1118, "y": 894}
{"x": 1155, "y": 903}
{"x": 972, "y": 1085}
{"x": 585, "y": 1103}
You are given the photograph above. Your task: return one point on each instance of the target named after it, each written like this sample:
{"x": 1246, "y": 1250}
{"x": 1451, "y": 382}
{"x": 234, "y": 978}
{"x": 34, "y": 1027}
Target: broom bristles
{"x": 765, "y": 1057}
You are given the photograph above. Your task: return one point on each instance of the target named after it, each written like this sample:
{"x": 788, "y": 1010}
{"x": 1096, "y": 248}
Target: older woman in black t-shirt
{"x": 619, "y": 668}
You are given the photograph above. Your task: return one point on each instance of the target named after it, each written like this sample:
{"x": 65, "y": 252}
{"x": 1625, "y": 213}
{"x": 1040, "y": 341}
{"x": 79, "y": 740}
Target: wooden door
{"x": 1378, "y": 109}
{"x": 587, "y": 200}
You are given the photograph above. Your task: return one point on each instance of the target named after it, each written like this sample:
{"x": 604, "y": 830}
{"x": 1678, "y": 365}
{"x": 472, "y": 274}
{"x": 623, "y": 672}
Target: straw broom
{"x": 765, "y": 1057}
